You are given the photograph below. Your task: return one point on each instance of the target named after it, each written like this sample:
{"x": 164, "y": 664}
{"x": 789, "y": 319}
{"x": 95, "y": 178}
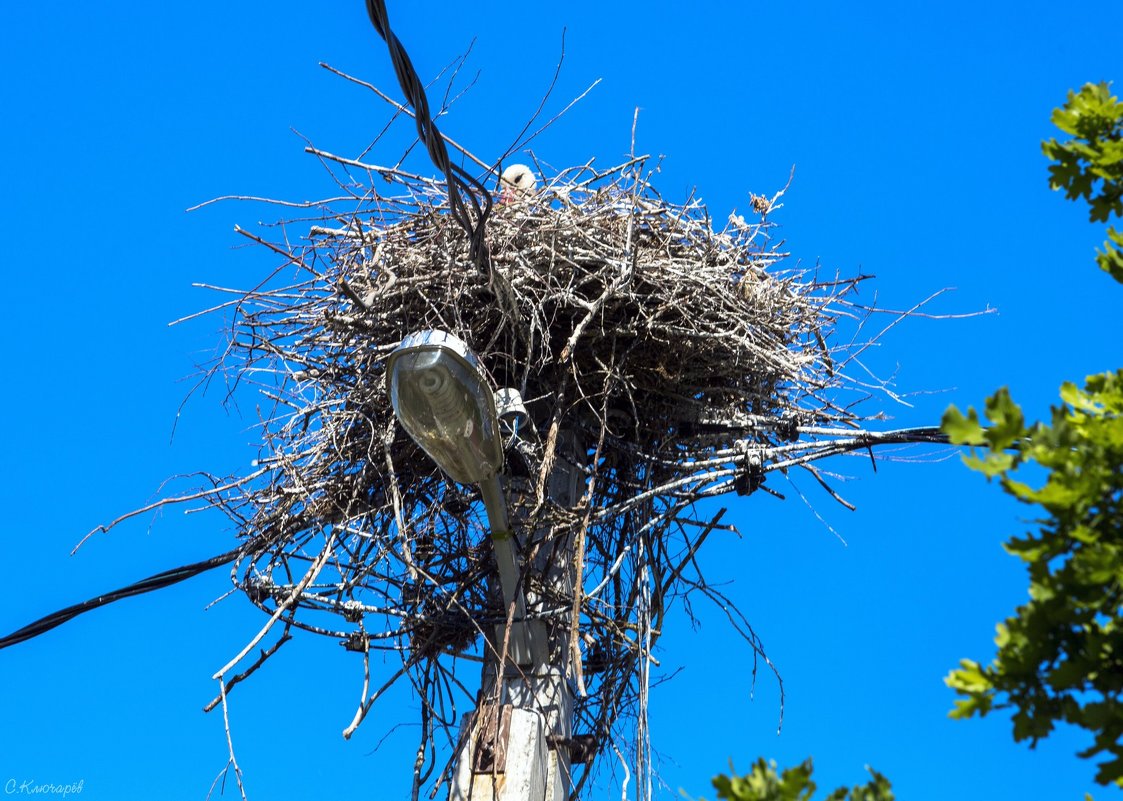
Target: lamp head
{"x": 442, "y": 399}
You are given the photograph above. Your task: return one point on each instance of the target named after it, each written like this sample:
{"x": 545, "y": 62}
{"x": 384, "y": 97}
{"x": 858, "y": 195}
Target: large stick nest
{"x": 664, "y": 358}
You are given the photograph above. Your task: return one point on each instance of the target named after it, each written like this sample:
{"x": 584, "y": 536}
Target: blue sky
{"x": 914, "y": 131}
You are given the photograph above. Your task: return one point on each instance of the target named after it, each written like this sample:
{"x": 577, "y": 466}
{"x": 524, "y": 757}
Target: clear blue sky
{"x": 914, "y": 130}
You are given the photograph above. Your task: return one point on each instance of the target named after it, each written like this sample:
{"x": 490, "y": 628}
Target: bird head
{"x": 517, "y": 181}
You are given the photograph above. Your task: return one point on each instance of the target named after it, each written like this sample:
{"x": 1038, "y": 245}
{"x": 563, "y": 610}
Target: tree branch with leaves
{"x": 764, "y": 783}
{"x": 1060, "y": 655}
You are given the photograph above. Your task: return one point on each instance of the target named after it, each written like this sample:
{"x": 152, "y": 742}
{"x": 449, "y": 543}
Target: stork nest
{"x": 662, "y": 360}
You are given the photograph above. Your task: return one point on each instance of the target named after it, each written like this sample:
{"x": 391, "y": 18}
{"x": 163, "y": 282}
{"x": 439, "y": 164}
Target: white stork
{"x": 517, "y": 181}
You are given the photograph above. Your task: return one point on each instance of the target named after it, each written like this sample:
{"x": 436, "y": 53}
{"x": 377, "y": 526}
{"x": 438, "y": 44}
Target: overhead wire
{"x": 155, "y": 582}
{"x": 465, "y": 196}
{"x": 464, "y": 190}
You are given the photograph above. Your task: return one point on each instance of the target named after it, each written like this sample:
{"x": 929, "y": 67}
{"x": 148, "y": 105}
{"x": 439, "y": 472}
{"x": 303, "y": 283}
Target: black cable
{"x": 156, "y": 582}
{"x": 460, "y": 183}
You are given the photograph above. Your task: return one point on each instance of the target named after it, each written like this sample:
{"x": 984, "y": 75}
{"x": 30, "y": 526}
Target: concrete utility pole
{"x": 516, "y": 745}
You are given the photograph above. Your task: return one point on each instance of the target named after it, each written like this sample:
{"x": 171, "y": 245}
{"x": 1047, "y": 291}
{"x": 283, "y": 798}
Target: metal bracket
{"x": 582, "y": 748}
{"x": 492, "y": 728}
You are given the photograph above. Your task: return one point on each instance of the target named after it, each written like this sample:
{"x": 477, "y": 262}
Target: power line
{"x": 156, "y": 582}
{"x": 461, "y": 184}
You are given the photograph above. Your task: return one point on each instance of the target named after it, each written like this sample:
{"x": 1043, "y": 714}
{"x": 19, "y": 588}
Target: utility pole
{"x": 516, "y": 745}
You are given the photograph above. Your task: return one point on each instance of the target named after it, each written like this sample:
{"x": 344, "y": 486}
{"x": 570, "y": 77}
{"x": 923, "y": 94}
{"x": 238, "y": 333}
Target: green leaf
{"x": 991, "y": 465}
{"x": 1111, "y": 772}
{"x": 969, "y": 678}
{"x": 1008, "y": 423}
{"x": 962, "y": 430}
{"x": 1110, "y": 260}
{"x": 1068, "y": 675}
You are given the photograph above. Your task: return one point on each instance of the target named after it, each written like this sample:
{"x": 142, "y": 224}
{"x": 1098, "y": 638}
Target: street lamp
{"x": 442, "y": 399}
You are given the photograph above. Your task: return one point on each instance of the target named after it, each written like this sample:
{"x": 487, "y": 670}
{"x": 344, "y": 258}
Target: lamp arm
{"x": 496, "y": 506}
{"x": 502, "y": 540}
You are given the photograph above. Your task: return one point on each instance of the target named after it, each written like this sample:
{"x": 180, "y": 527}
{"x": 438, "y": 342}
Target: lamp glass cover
{"x": 442, "y": 400}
